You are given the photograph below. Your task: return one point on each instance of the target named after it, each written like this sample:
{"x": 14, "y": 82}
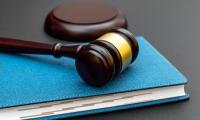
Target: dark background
{"x": 172, "y": 26}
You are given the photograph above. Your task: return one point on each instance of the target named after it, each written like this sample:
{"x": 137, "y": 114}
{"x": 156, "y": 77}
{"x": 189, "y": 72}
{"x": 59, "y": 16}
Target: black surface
{"x": 173, "y": 27}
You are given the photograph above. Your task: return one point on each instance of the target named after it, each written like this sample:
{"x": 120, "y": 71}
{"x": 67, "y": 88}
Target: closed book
{"x": 43, "y": 87}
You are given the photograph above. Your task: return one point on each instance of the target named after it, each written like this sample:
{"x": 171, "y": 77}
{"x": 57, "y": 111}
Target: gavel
{"x": 97, "y": 62}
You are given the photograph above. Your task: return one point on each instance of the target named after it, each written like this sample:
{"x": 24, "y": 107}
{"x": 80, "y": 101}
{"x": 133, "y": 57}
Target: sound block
{"x": 83, "y": 21}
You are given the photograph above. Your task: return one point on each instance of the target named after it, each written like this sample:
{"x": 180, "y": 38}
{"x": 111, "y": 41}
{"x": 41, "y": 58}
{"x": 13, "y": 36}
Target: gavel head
{"x": 101, "y": 60}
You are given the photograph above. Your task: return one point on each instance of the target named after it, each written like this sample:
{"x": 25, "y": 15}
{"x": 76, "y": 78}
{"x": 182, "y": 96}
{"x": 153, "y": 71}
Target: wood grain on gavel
{"x": 10, "y": 45}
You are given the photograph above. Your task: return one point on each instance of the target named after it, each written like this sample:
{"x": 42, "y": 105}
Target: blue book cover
{"x": 28, "y": 79}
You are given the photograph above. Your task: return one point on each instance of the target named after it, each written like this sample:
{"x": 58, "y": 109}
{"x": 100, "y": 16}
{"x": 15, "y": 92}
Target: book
{"x": 43, "y": 87}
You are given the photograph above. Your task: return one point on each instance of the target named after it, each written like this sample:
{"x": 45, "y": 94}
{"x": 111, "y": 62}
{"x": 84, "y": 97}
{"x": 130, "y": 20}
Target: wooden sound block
{"x": 83, "y": 21}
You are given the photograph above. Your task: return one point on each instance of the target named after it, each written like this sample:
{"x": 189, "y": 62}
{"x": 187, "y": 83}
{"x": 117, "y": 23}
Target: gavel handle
{"x": 9, "y": 45}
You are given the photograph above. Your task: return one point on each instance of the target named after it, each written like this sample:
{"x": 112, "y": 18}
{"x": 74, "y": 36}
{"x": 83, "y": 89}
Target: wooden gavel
{"x": 96, "y": 62}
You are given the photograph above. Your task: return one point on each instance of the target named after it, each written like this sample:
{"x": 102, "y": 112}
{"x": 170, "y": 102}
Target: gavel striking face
{"x": 96, "y": 62}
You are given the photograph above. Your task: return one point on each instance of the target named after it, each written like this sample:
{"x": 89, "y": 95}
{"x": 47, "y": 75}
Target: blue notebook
{"x": 43, "y": 87}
